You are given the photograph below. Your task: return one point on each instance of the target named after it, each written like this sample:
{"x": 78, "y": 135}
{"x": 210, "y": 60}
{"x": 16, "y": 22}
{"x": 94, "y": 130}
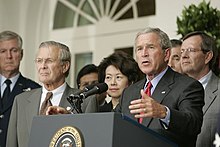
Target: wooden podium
{"x": 93, "y": 130}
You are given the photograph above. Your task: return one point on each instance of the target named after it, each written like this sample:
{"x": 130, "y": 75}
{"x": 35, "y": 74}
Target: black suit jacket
{"x": 184, "y": 97}
{"x": 22, "y": 84}
{"x": 107, "y": 107}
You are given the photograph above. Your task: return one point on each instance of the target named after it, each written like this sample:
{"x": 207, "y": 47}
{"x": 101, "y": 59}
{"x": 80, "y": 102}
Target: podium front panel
{"x": 95, "y": 129}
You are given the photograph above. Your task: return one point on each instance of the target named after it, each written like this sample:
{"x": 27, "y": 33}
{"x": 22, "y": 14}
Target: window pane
{"x": 74, "y": 2}
{"x": 146, "y": 7}
{"x": 63, "y": 17}
{"x": 128, "y": 50}
{"x": 80, "y": 61}
{"x": 88, "y": 10}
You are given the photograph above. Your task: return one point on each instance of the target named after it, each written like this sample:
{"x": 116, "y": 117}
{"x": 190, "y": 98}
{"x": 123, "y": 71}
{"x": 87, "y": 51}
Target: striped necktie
{"x": 46, "y": 103}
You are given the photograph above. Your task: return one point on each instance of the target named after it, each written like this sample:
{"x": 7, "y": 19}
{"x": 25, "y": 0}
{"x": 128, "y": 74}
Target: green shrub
{"x": 200, "y": 18}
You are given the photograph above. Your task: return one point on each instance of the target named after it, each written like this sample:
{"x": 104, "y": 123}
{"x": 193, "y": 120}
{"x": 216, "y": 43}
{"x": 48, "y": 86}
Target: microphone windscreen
{"x": 102, "y": 87}
{"x": 87, "y": 88}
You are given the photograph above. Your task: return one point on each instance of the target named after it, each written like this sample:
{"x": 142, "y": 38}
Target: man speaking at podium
{"x": 173, "y": 104}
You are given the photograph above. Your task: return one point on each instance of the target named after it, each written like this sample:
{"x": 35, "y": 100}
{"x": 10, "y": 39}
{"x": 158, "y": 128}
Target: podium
{"x": 93, "y": 130}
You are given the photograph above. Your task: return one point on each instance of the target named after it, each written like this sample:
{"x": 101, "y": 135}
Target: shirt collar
{"x": 56, "y": 91}
{"x": 13, "y": 79}
{"x": 204, "y": 80}
{"x": 156, "y": 79}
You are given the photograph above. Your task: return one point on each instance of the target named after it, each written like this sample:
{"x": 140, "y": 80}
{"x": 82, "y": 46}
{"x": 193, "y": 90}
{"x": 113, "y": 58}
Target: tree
{"x": 200, "y": 18}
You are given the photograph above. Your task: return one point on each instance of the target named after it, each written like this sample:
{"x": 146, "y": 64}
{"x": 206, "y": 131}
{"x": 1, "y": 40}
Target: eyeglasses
{"x": 46, "y": 61}
{"x": 189, "y": 50}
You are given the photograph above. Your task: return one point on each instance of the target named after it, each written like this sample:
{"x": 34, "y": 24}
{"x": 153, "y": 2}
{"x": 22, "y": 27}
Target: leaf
{"x": 202, "y": 17}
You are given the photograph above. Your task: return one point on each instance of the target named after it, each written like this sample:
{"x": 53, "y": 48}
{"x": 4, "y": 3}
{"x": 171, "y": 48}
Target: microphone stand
{"x": 75, "y": 101}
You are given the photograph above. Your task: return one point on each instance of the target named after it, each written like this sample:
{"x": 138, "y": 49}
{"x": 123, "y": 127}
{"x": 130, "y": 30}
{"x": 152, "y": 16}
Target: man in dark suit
{"x": 174, "y": 108}
{"x": 53, "y": 64}
{"x": 199, "y": 53}
{"x": 11, "y": 54}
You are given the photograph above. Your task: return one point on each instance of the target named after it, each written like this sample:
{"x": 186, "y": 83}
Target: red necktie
{"x": 148, "y": 92}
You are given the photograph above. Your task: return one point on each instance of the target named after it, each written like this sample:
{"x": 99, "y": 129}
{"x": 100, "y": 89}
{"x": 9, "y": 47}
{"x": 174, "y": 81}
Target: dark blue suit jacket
{"x": 22, "y": 84}
{"x": 184, "y": 97}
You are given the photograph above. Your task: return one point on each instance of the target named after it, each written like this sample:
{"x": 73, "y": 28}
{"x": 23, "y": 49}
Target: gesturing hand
{"x": 147, "y": 107}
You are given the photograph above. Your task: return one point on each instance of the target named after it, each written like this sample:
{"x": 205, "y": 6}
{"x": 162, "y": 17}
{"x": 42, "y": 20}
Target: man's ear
{"x": 22, "y": 54}
{"x": 66, "y": 66}
{"x": 208, "y": 57}
{"x": 167, "y": 54}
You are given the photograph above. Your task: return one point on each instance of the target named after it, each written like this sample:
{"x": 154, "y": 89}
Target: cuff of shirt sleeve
{"x": 166, "y": 120}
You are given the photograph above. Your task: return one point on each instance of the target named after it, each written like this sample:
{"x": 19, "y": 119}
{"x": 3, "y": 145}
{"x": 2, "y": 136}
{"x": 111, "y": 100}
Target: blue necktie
{"x": 6, "y": 92}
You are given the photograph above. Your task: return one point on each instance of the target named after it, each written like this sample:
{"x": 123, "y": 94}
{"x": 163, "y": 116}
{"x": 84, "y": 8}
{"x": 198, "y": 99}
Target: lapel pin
{"x": 28, "y": 89}
{"x": 163, "y": 92}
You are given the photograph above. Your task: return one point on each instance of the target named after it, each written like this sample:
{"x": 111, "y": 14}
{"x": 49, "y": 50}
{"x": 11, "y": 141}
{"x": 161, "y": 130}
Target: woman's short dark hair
{"x": 122, "y": 61}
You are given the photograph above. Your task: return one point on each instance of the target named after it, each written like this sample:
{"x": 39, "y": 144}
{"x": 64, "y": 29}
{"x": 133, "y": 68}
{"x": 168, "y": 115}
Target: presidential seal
{"x": 67, "y": 137}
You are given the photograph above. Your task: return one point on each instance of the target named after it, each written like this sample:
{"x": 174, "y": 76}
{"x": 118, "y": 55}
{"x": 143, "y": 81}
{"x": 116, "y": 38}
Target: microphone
{"x": 76, "y": 99}
{"x": 97, "y": 89}
{"x": 87, "y": 88}
{"x": 76, "y": 95}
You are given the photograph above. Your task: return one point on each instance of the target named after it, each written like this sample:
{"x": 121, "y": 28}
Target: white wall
{"x": 32, "y": 19}
{"x": 1, "y": 13}
{"x": 25, "y": 18}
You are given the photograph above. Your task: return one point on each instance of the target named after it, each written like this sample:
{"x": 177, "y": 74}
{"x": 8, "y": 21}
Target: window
{"x": 128, "y": 50}
{"x": 80, "y": 61}
{"x": 75, "y": 13}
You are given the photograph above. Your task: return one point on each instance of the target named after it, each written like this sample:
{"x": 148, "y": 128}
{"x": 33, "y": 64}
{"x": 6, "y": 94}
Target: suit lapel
{"x": 32, "y": 108}
{"x": 64, "y": 102}
{"x": 140, "y": 86}
{"x": 18, "y": 88}
{"x": 161, "y": 90}
{"x": 138, "y": 95}
{"x": 210, "y": 92}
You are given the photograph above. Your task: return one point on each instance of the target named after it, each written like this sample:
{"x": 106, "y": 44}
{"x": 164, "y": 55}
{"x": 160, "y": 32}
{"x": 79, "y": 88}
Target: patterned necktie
{"x": 148, "y": 92}
{"x": 6, "y": 92}
{"x": 46, "y": 103}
